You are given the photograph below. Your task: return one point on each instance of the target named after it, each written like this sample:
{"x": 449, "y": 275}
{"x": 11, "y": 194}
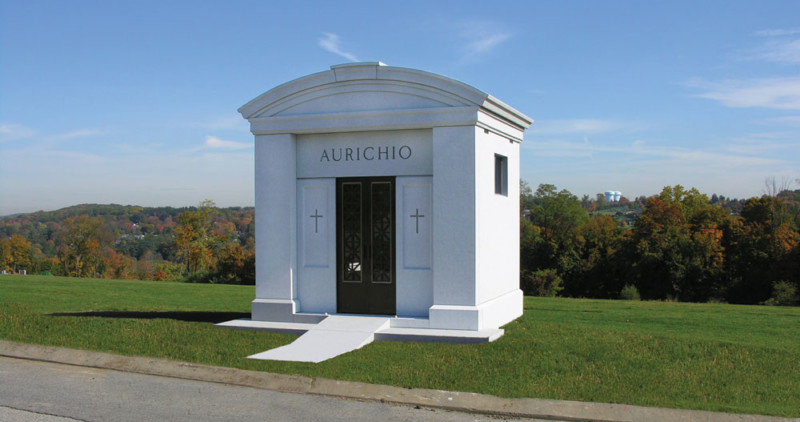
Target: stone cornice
{"x": 365, "y": 121}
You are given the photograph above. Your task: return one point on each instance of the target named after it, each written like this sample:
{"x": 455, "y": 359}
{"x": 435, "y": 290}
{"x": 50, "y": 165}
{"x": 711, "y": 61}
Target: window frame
{"x": 500, "y": 175}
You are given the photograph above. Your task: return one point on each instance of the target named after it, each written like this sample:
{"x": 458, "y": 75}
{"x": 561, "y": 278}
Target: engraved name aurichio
{"x": 367, "y": 153}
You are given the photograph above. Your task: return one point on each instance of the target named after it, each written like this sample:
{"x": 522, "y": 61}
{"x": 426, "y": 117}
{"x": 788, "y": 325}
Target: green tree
{"x": 526, "y": 200}
{"x": 599, "y": 202}
{"x": 784, "y": 293}
{"x": 599, "y": 243}
{"x": 549, "y": 237}
{"x": 762, "y": 248}
{"x": 558, "y": 213}
{"x": 542, "y": 283}
{"x": 586, "y": 202}
{"x": 768, "y": 211}
{"x": 689, "y": 202}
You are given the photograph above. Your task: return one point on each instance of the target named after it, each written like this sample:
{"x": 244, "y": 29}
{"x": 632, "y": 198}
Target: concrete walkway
{"x": 333, "y": 336}
{"x": 464, "y": 402}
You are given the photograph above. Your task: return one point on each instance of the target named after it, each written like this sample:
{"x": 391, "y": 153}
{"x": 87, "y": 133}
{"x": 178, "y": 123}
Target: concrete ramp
{"x": 333, "y": 336}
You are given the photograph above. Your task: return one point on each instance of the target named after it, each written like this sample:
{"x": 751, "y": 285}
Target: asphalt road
{"x": 49, "y": 392}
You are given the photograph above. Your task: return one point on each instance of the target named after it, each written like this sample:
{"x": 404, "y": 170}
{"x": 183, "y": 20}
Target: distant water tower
{"x": 609, "y": 195}
{"x": 617, "y": 195}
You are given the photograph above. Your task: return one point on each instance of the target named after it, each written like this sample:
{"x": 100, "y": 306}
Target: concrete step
{"x": 428, "y": 335}
{"x": 275, "y": 327}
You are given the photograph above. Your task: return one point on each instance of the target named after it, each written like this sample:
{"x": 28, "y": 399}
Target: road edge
{"x": 563, "y": 410}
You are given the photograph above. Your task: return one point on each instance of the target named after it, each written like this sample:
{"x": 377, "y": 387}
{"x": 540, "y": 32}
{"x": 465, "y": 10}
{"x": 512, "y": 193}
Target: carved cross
{"x": 316, "y": 218}
{"x": 417, "y": 216}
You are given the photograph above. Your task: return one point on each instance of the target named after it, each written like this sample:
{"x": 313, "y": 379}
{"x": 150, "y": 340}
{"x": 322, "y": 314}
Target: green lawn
{"x": 743, "y": 359}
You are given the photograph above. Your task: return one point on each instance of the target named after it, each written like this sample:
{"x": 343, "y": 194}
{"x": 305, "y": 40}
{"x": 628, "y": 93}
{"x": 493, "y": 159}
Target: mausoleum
{"x": 391, "y": 192}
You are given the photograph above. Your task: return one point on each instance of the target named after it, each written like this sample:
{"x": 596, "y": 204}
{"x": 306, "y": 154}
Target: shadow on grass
{"x": 189, "y": 316}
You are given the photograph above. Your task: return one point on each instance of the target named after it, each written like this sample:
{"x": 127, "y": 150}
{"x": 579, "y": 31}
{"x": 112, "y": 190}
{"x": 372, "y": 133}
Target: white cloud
{"x": 765, "y": 144}
{"x": 13, "y": 132}
{"x": 639, "y": 150}
{"x": 777, "y": 32}
{"x": 75, "y": 134}
{"x": 471, "y": 39}
{"x": 780, "y": 51}
{"x": 232, "y": 121}
{"x": 559, "y": 148}
{"x": 75, "y": 156}
{"x": 479, "y": 37}
{"x": 786, "y": 120}
{"x": 216, "y": 143}
{"x": 573, "y": 126}
{"x": 777, "y": 93}
{"x": 484, "y": 42}
{"x": 753, "y": 147}
{"x": 639, "y": 168}
{"x": 331, "y": 43}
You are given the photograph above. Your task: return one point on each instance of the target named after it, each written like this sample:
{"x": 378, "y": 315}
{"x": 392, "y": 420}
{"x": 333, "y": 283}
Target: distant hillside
{"x": 134, "y": 241}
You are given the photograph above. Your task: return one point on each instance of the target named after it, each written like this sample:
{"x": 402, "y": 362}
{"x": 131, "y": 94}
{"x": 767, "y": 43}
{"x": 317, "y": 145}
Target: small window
{"x": 500, "y": 175}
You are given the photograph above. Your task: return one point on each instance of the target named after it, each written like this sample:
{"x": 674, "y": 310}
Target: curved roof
{"x": 376, "y": 93}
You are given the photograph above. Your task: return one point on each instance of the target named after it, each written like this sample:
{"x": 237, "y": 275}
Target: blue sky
{"x": 134, "y": 102}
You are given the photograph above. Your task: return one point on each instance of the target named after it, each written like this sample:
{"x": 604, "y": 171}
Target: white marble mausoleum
{"x": 386, "y": 191}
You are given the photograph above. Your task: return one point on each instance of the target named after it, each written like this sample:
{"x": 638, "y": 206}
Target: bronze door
{"x": 365, "y": 245}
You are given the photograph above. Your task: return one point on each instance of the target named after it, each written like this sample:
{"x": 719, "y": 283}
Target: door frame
{"x": 366, "y": 296}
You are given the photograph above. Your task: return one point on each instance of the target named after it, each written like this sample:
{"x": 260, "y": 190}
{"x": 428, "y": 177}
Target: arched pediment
{"x": 352, "y": 97}
{"x": 362, "y": 96}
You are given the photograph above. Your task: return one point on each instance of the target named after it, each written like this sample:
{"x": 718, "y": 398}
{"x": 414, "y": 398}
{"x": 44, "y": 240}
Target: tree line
{"x": 681, "y": 246}
{"x": 677, "y": 245}
{"x": 195, "y": 244}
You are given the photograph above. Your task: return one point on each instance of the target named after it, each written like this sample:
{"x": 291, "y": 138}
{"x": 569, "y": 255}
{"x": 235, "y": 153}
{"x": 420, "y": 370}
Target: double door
{"x": 365, "y": 245}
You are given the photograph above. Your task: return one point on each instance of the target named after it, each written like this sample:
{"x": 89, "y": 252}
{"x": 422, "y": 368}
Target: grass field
{"x": 743, "y": 359}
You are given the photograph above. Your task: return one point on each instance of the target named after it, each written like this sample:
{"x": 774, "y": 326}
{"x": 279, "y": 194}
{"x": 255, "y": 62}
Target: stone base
{"x": 281, "y": 310}
{"x": 486, "y": 316}
{"x": 492, "y": 314}
{"x": 272, "y": 310}
{"x": 399, "y": 329}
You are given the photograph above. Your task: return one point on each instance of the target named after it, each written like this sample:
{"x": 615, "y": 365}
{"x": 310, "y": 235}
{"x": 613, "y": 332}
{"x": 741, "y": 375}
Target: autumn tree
{"x": 192, "y": 240}
{"x": 5, "y": 255}
{"x": 676, "y": 247}
{"x": 21, "y": 253}
{"x": 79, "y": 245}
{"x": 117, "y": 265}
{"x": 16, "y": 254}
{"x": 200, "y": 237}
{"x": 236, "y": 265}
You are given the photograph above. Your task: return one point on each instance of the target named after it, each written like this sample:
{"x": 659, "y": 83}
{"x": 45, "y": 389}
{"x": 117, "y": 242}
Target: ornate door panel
{"x": 365, "y": 250}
